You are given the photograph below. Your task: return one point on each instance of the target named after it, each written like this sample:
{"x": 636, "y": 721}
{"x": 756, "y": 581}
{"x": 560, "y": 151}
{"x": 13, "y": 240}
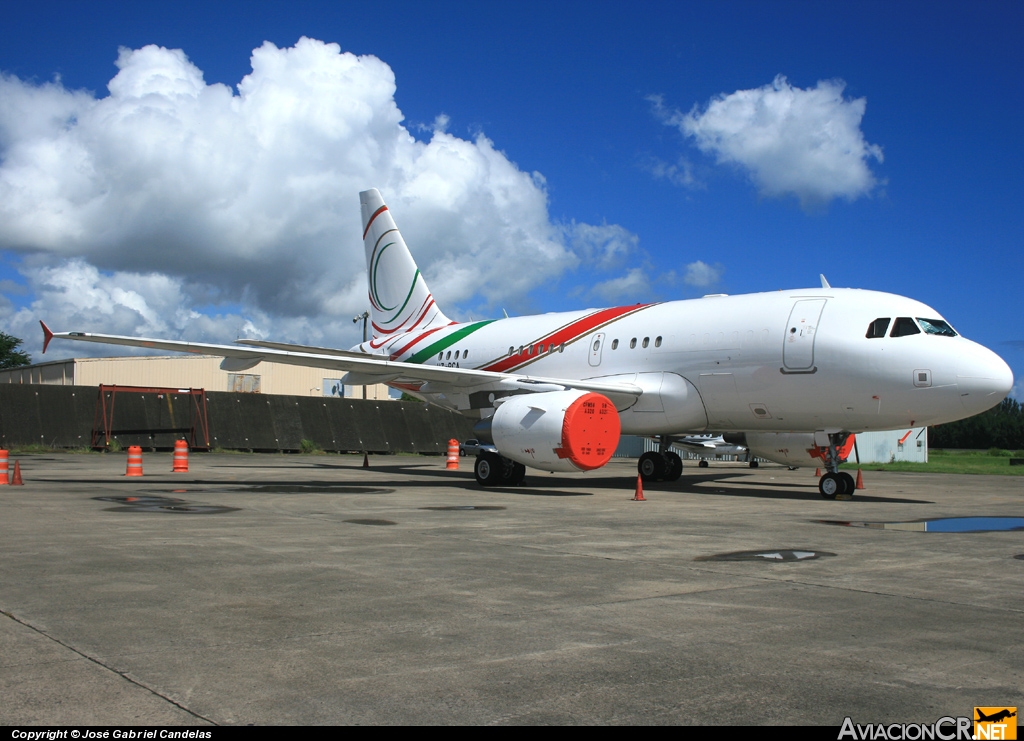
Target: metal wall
{"x": 62, "y": 417}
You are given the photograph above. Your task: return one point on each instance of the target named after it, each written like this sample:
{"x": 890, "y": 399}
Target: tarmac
{"x": 305, "y": 589}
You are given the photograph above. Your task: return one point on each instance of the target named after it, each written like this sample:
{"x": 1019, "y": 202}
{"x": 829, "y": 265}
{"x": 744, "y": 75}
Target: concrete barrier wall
{"x": 62, "y": 417}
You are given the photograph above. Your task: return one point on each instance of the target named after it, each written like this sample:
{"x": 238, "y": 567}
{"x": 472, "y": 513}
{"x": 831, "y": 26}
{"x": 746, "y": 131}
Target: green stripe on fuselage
{"x": 445, "y": 342}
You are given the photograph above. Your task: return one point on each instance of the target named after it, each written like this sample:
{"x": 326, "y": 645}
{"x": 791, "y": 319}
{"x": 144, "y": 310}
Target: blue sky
{"x": 545, "y": 175}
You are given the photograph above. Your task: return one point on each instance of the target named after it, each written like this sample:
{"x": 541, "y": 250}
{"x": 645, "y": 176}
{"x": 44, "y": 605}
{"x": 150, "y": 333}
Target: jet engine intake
{"x": 557, "y": 430}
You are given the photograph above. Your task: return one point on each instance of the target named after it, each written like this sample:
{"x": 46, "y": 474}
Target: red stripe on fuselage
{"x": 376, "y": 213}
{"x": 566, "y": 334}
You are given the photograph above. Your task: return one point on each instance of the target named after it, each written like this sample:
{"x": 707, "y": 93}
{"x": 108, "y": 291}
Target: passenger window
{"x": 529, "y": 350}
{"x": 936, "y": 326}
{"x": 465, "y": 354}
{"x": 647, "y": 341}
{"x": 540, "y": 349}
{"x": 511, "y": 351}
{"x": 657, "y": 342}
{"x": 440, "y": 356}
{"x": 561, "y": 347}
{"x": 878, "y": 328}
{"x": 632, "y": 343}
{"x": 449, "y": 357}
{"x": 615, "y": 344}
{"x": 904, "y": 326}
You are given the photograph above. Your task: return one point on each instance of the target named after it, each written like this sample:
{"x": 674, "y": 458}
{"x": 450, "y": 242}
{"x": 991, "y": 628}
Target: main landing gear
{"x": 663, "y": 465}
{"x": 492, "y": 469}
{"x": 835, "y": 484}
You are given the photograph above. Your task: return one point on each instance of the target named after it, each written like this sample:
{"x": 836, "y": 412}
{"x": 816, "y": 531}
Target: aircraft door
{"x": 596, "y": 348}
{"x": 798, "y": 347}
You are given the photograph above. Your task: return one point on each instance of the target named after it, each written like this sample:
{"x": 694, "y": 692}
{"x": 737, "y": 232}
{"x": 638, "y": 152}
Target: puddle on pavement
{"x": 769, "y": 555}
{"x": 141, "y": 501}
{"x": 370, "y": 522}
{"x": 940, "y": 524}
{"x": 455, "y": 508}
{"x": 178, "y": 509}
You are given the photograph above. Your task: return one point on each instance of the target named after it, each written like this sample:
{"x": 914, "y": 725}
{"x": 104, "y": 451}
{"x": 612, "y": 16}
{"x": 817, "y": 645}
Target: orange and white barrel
{"x": 3, "y": 468}
{"x": 453, "y": 455}
{"x": 180, "y": 464}
{"x": 134, "y": 461}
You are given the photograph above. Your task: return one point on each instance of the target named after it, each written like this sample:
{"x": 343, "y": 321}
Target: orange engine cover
{"x": 557, "y": 430}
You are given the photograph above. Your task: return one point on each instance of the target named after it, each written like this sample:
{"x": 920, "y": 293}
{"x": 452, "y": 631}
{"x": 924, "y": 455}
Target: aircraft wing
{"x": 696, "y": 444}
{"x": 360, "y": 369}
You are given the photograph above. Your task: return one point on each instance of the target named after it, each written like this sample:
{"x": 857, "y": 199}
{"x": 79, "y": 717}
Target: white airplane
{"x": 806, "y": 367}
{"x": 711, "y": 446}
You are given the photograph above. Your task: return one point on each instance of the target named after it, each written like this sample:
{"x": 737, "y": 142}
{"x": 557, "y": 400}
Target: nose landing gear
{"x": 835, "y": 484}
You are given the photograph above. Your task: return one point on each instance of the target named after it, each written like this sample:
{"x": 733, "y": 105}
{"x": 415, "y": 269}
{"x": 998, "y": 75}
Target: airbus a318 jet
{"x": 797, "y": 372}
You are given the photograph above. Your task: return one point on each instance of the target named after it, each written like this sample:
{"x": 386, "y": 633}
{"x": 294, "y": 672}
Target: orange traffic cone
{"x": 134, "y": 461}
{"x": 3, "y": 468}
{"x": 366, "y": 460}
{"x": 180, "y": 464}
{"x": 639, "y": 496}
{"x": 817, "y": 473}
{"x": 16, "y": 479}
{"x": 453, "y": 455}
{"x": 860, "y": 479}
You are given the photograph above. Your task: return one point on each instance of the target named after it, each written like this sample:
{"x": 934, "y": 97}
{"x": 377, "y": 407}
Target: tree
{"x": 1001, "y": 426}
{"x": 10, "y": 355}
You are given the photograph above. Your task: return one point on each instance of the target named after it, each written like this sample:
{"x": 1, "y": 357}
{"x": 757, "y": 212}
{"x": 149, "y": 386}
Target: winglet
{"x": 47, "y": 335}
{"x": 824, "y": 283}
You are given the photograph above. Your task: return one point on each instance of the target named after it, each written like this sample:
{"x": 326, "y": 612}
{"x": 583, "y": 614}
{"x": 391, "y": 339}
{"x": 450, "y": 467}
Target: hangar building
{"x": 191, "y": 371}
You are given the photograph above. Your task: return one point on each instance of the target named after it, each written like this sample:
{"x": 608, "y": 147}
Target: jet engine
{"x": 557, "y": 430}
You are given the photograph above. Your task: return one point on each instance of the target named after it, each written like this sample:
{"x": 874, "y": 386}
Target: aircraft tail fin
{"x": 400, "y": 300}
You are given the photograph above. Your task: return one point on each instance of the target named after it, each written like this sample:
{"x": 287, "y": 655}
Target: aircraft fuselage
{"x": 782, "y": 361}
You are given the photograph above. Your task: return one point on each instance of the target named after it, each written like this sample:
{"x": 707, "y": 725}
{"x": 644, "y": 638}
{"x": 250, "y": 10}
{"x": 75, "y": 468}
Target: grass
{"x": 40, "y": 448}
{"x": 994, "y": 461}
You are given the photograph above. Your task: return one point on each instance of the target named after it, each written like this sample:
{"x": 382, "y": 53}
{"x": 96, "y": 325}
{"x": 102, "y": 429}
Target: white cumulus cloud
{"x": 167, "y": 194}
{"x": 701, "y": 275}
{"x": 791, "y": 141}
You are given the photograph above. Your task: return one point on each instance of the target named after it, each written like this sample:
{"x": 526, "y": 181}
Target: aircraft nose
{"x": 982, "y": 378}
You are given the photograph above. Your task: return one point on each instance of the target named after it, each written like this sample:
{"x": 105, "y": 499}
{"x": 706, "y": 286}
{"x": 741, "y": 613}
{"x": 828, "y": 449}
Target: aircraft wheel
{"x": 488, "y": 469}
{"x": 831, "y": 485}
{"x": 753, "y": 464}
{"x": 516, "y": 474}
{"x": 851, "y": 483}
{"x": 651, "y": 467}
{"x": 703, "y": 463}
{"x": 674, "y": 468}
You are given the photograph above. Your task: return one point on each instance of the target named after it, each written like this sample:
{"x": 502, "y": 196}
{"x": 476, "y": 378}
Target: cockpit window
{"x": 936, "y": 326}
{"x": 904, "y": 326}
{"x": 878, "y": 327}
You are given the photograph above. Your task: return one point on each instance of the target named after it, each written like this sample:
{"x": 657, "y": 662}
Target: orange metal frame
{"x": 198, "y": 429}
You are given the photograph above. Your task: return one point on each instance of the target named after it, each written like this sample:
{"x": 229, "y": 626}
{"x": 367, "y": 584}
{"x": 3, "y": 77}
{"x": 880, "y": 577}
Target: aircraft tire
{"x": 851, "y": 483}
{"x": 831, "y": 485}
{"x": 674, "y": 468}
{"x": 703, "y": 463}
{"x": 753, "y": 464}
{"x": 516, "y": 474}
{"x": 651, "y": 466}
{"x": 488, "y": 469}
